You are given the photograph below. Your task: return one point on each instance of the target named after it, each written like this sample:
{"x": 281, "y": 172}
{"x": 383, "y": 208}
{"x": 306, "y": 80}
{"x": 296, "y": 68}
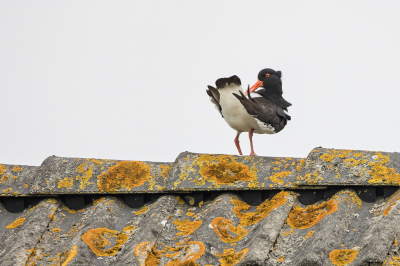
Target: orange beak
{"x": 256, "y": 86}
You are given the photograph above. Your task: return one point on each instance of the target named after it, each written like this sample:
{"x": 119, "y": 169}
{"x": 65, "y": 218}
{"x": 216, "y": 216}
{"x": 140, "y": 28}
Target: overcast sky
{"x": 127, "y": 79}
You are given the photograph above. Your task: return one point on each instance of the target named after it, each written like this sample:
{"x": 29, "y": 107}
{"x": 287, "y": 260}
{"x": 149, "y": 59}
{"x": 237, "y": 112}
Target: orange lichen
{"x": 165, "y": 169}
{"x": 309, "y": 234}
{"x": 223, "y": 227}
{"x": 395, "y": 261}
{"x": 187, "y": 227}
{"x": 98, "y": 239}
{"x": 180, "y": 200}
{"x": 184, "y": 254}
{"x": 66, "y": 182}
{"x": 66, "y": 257}
{"x": 380, "y": 173}
{"x": 2, "y": 169}
{"x": 187, "y": 254}
{"x": 16, "y": 223}
{"x": 25, "y": 185}
{"x": 125, "y": 174}
{"x": 275, "y": 177}
{"x": 343, "y": 256}
{"x": 17, "y": 168}
{"x": 386, "y": 212}
{"x": 148, "y": 254}
{"x": 230, "y": 258}
{"x": 52, "y": 217}
{"x": 262, "y": 211}
{"x": 303, "y": 218}
{"x": 180, "y": 263}
{"x": 281, "y": 259}
{"x": 330, "y": 155}
{"x": 56, "y": 230}
{"x": 300, "y": 165}
{"x": 142, "y": 210}
{"x": 223, "y": 169}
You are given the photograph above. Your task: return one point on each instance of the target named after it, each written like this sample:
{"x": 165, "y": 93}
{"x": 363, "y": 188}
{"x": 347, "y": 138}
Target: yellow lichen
{"x": 343, "y": 256}
{"x": 148, "y": 254}
{"x": 184, "y": 254}
{"x": 187, "y": 227}
{"x": 66, "y": 182}
{"x": 300, "y": 165}
{"x": 223, "y": 169}
{"x": 230, "y": 258}
{"x": 142, "y": 210}
{"x": 165, "y": 169}
{"x": 380, "y": 173}
{"x": 85, "y": 177}
{"x": 386, "y": 212}
{"x": 125, "y": 174}
{"x": 2, "y": 169}
{"x": 98, "y": 240}
{"x": 16, "y": 223}
{"x": 309, "y": 234}
{"x": 330, "y": 155}
{"x": 17, "y": 168}
{"x": 275, "y": 177}
{"x": 262, "y": 211}
{"x": 394, "y": 261}
{"x": 68, "y": 256}
{"x": 180, "y": 200}
{"x": 223, "y": 227}
{"x": 187, "y": 254}
{"x": 303, "y": 218}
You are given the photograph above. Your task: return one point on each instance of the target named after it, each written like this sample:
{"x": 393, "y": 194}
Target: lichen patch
{"x": 125, "y": 174}
{"x": 100, "y": 241}
{"x": 303, "y": 218}
{"x": 223, "y": 169}
{"x": 226, "y": 231}
{"x": 16, "y": 223}
{"x": 343, "y": 256}
{"x": 248, "y": 218}
{"x": 187, "y": 227}
{"x": 229, "y": 257}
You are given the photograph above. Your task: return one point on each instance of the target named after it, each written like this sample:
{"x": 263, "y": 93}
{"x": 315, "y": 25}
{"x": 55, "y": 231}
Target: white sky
{"x": 127, "y": 79}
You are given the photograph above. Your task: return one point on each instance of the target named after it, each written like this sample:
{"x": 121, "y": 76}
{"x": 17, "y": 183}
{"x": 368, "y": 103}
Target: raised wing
{"x": 214, "y": 98}
{"x": 265, "y": 111}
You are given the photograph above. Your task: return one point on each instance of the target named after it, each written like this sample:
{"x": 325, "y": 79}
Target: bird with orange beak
{"x": 262, "y": 112}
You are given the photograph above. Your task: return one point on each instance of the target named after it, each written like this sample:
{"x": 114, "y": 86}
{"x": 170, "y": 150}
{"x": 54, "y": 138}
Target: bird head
{"x": 268, "y": 79}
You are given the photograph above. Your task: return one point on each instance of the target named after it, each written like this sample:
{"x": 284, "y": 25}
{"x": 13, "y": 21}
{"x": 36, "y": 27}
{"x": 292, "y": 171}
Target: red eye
{"x": 267, "y": 75}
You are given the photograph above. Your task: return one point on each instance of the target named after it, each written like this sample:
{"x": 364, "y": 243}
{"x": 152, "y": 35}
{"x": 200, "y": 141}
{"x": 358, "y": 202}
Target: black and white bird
{"x": 263, "y": 112}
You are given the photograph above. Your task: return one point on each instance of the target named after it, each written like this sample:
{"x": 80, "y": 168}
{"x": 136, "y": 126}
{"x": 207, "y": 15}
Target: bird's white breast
{"x": 233, "y": 111}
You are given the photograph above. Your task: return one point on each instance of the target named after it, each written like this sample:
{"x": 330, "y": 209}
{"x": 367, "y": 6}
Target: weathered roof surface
{"x": 201, "y": 172}
{"x": 221, "y": 230}
{"x": 224, "y": 231}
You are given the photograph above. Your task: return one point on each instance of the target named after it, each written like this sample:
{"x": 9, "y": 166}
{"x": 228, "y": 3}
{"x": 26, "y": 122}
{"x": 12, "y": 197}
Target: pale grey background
{"x": 127, "y": 79}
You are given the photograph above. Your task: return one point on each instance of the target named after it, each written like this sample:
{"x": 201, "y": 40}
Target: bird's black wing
{"x": 265, "y": 111}
{"x": 214, "y": 98}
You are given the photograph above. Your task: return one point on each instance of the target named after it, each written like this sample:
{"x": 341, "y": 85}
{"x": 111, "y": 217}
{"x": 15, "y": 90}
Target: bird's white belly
{"x": 234, "y": 113}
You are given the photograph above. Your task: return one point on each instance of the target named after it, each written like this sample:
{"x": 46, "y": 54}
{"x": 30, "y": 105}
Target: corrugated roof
{"x": 219, "y": 230}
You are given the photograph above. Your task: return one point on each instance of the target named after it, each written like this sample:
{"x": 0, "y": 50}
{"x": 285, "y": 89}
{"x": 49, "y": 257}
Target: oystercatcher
{"x": 263, "y": 112}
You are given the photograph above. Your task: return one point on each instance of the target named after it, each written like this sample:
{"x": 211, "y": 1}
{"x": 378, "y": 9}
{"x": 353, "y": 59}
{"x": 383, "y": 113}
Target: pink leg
{"x": 251, "y": 142}
{"x": 237, "y": 143}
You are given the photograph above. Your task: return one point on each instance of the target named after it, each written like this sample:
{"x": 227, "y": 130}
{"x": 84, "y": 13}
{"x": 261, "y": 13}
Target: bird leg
{"x": 237, "y": 143}
{"x": 252, "y": 153}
